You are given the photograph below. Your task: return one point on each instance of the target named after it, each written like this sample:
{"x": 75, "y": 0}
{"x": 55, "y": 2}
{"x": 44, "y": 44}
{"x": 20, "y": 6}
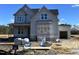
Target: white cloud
{"x": 12, "y": 20}
{"x": 75, "y": 5}
{"x": 77, "y": 24}
{"x": 62, "y": 21}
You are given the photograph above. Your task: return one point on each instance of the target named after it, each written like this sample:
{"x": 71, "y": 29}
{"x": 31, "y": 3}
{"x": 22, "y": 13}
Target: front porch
{"x": 21, "y": 30}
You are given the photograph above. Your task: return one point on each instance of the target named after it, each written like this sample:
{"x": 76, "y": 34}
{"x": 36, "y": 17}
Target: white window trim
{"x": 43, "y": 15}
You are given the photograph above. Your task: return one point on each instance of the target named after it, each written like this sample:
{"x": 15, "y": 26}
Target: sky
{"x": 68, "y": 13}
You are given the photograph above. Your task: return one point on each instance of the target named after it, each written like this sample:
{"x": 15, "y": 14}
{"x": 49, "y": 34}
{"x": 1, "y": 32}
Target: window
{"x": 43, "y": 29}
{"x": 43, "y": 16}
{"x": 20, "y": 18}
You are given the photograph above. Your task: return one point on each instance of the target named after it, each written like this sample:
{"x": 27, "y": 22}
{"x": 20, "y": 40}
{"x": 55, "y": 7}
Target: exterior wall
{"x": 51, "y": 32}
{"x": 55, "y": 30}
{"x": 65, "y": 28}
{"x": 51, "y": 18}
{"x": 43, "y": 30}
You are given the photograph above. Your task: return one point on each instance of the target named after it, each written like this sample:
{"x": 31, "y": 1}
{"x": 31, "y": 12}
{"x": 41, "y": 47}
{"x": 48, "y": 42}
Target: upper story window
{"x": 43, "y": 16}
{"x": 20, "y": 19}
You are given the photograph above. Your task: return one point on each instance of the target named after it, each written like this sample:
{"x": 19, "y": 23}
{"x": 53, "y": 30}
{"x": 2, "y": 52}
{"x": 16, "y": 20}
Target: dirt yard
{"x": 66, "y": 46}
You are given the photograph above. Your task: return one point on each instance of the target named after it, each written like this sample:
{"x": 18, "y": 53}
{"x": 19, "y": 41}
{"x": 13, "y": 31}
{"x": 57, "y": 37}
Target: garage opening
{"x": 63, "y": 35}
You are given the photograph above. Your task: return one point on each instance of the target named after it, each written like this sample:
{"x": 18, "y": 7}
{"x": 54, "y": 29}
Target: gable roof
{"x": 22, "y": 9}
{"x": 53, "y": 11}
{"x": 35, "y": 10}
